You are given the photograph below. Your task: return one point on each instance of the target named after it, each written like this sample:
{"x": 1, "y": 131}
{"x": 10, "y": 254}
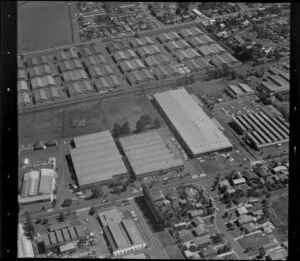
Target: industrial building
{"x": 79, "y": 88}
{"x": 240, "y": 90}
{"x": 122, "y": 236}
{"x": 141, "y": 76}
{"x": 37, "y": 61}
{"x": 132, "y": 65}
{"x": 31, "y": 182}
{"x": 225, "y": 58}
{"x": 107, "y": 83}
{"x": 94, "y": 60}
{"x": 21, "y": 64}
{"x": 139, "y": 42}
{"x": 205, "y": 50}
{"x": 46, "y": 94}
{"x": 198, "y": 65}
{"x": 22, "y": 75}
{"x": 200, "y": 40}
{"x": 96, "y": 158}
{"x": 114, "y": 46}
{"x": 148, "y": 155}
{"x": 177, "y": 45}
{"x": 69, "y": 65}
{"x": 124, "y": 55}
{"x": 47, "y": 182}
{"x": 96, "y": 71}
{"x": 261, "y": 130}
{"x": 39, "y": 71}
{"x": 145, "y": 51}
{"x": 216, "y": 48}
{"x": 166, "y": 71}
{"x": 42, "y": 82}
{"x": 69, "y": 55}
{"x": 22, "y": 86}
{"x": 183, "y": 55}
{"x": 76, "y": 75}
{"x": 167, "y": 37}
{"x": 86, "y": 51}
{"x": 186, "y": 33}
{"x": 194, "y": 129}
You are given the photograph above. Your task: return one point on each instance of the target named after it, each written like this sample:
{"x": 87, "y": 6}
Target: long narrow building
{"x": 194, "y": 129}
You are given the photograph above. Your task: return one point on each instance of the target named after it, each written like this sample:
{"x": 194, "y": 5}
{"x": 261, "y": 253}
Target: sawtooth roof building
{"x": 263, "y": 131}
{"x": 96, "y": 158}
{"x": 42, "y": 82}
{"x": 183, "y": 55}
{"x": 139, "y": 42}
{"x": 69, "y": 55}
{"x": 132, "y": 65}
{"x": 240, "y": 90}
{"x": 124, "y": 55}
{"x": 24, "y": 99}
{"x": 198, "y": 64}
{"x": 148, "y": 155}
{"x": 117, "y": 46}
{"x": 96, "y": 71}
{"x": 194, "y": 129}
{"x": 69, "y": 65}
{"x": 39, "y": 71}
{"x": 167, "y": 37}
{"x": 79, "y": 87}
{"x": 200, "y": 40}
{"x": 177, "y": 45}
{"x": 86, "y": 51}
{"x": 37, "y": 61}
{"x": 186, "y": 33}
{"x": 46, "y": 94}
{"x": 94, "y": 60}
{"x": 107, "y": 83}
{"x": 76, "y": 75}
{"x": 138, "y": 77}
{"x": 22, "y": 86}
{"x": 225, "y": 58}
{"x": 145, "y": 51}
{"x": 166, "y": 71}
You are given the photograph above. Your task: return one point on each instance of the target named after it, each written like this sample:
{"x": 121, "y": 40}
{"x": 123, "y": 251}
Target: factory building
{"x": 76, "y": 75}
{"x": 132, "y": 65}
{"x": 186, "y": 33}
{"x": 69, "y": 65}
{"x": 117, "y": 46}
{"x": 31, "y": 182}
{"x": 22, "y": 75}
{"x": 166, "y": 71}
{"x": 188, "y": 54}
{"x": 39, "y": 71}
{"x": 107, "y": 83}
{"x": 240, "y": 90}
{"x": 24, "y": 99}
{"x": 124, "y": 55}
{"x": 205, "y": 50}
{"x": 145, "y": 51}
{"x": 225, "y": 58}
{"x": 137, "y": 77}
{"x": 69, "y": 55}
{"x": 167, "y": 37}
{"x": 46, "y": 94}
{"x": 96, "y": 158}
{"x": 86, "y": 51}
{"x": 139, "y": 42}
{"x": 94, "y": 60}
{"x": 42, "y": 82}
{"x": 122, "y": 236}
{"x": 79, "y": 88}
{"x": 96, "y": 71}
{"x": 21, "y": 64}
{"x": 198, "y": 65}
{"x": 177, "y": 45}
{"x": 200, "y": 40}
{"x": 148, "y": 155}
{"x": 261, "y": 130}
{"x": 37, "y": 61}
{"x": 47, "y": 182}
{"x": 22, "y": 86}
{"x": 193, "y": 128}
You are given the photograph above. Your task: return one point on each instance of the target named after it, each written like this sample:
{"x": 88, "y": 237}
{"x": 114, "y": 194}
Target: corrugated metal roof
{"x": 118, "y": 236}
{"x": 92, "y": 162}
{"x": 133, "y": 232}
{"x": 194, "y": 126}
{"x": 52, "y": 238}
{"x": 66, "y": 234}
{"x": 59, "y": 236}
{"x": 72, "y": 233}
{"x": 22, "y": 86}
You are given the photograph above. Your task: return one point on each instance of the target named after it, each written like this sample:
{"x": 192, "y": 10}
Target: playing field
{"x": 280, "y": 207}
{"x": 43, "y": 25}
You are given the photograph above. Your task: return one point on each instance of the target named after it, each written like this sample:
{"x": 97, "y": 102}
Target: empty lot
{"x": 43, "y": 25}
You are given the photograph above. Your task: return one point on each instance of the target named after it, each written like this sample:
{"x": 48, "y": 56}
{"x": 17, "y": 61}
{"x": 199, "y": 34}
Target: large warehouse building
{"x": 96, "y": 158}
{"x": 147, "y": 154}
{"x": 194, "y": 129}
{"x": 261, "y": 130}
{"x": 122, "y": 236}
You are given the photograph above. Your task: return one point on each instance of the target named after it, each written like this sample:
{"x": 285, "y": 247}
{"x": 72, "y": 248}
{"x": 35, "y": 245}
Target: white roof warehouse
{"x": 193, "y": 127}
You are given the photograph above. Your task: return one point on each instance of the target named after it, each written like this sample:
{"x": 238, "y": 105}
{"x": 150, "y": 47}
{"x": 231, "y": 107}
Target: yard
{"x": 90, "y": 114}
{"x": 127, "y": 108}
{"x": 169, "y": 245}
{"x": 255, "y": 242}
{"x": 43, "y": 25}
{"x": 211, "y": 165}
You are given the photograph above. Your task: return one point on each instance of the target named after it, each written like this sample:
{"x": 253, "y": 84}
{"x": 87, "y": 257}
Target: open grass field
{"x": 280, "y": 207}
{"x": 90, "y": 113}
{"x": 168, "y": 243}
{"x": 44, "y": 126}
{"x": 127, "y": 108}
{"x": 211, "y": 87}
{"x": 43, "y": 25}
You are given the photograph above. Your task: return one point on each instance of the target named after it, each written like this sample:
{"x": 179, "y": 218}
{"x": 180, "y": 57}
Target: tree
{"x": 92, "y": 211}
{"x": 67, "y": 202}
{"x": 116, "y": 190}
{"x": 178, "y": 11}
{"x": 233, "y": 74}
{"x": 262, "y": 252}
{"x": 193, "y": 248}
{"x": 117, "y": 130}
{"x": 38, "y": 220}
{"x": 45, "y": 221}
{"x": 124, "y": 188}
{"x": 140, "y": 125}
{"x": 125, "y": 128}
{"x": 227, "y": 247}
{"x": 156, "y": 122}
{"x": 61, "y": 217}
{"x": 146, "y": 118}
{"x": 225, "y": 69}
{"x": 224, "y": 189}
{"x": 28, "y": 227}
